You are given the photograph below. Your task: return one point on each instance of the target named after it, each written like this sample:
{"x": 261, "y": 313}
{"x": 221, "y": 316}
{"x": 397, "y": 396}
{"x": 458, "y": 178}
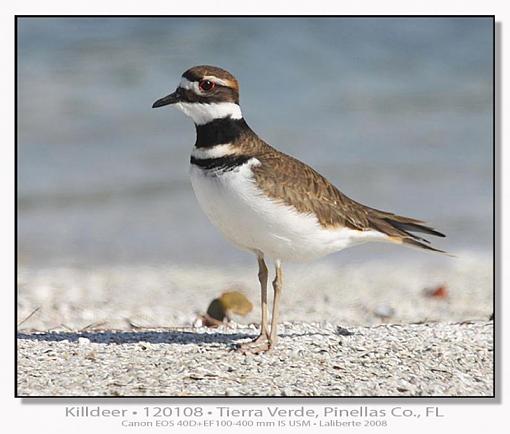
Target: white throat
{"x": 205, "y": 113}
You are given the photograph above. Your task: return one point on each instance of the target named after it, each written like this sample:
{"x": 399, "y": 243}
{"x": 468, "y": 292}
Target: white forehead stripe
{"x": 204, "y": 113}
{"x": 189, "y": 85}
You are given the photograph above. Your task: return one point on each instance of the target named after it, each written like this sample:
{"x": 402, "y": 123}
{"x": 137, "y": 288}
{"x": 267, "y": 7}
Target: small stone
{"x": 440, "y": 291}
{"x": 384, "y": 311}
{"x": 287, "y": 392}
{"x": 343, "y": 332}
{"x": 83, "y": 341}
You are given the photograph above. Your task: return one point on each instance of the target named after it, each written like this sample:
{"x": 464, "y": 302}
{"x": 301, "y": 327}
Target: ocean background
{"x": 397, "y": 113}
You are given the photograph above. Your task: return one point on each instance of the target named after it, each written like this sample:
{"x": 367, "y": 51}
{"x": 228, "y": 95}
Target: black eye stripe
{"x": 220, "y": 93}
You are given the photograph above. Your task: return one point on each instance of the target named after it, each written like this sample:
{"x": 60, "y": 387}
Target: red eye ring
{"x": 206, "y": 85}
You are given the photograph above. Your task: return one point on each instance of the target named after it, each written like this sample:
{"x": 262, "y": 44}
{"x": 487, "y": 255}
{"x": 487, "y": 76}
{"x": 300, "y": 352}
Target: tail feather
{"x": 402, "y": 228}
{"x": 415, "y": 227}
{"x": 416, "y": 243}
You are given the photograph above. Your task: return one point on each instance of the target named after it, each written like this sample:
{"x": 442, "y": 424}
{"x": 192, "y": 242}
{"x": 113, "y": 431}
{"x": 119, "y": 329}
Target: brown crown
{"x": 197, "y": 73}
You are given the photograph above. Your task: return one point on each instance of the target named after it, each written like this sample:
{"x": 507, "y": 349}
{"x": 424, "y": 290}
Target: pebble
{"x": 384, "y": 311}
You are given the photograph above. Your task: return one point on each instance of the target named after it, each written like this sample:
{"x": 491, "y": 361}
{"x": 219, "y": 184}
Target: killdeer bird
{"x": 265, "y": 201}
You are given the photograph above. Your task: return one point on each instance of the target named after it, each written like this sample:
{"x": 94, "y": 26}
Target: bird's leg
{"x": 261, "y": 343}
{"x": 264, "y": 331}
{"x": 277, "y": 287}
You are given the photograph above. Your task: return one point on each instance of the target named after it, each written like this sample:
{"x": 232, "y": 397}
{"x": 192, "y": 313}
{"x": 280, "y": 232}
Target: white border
{"x": 467, "y": 417}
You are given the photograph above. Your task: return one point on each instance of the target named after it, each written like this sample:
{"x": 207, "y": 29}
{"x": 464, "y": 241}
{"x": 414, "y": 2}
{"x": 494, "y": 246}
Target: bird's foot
{"x": 259, "y": 345}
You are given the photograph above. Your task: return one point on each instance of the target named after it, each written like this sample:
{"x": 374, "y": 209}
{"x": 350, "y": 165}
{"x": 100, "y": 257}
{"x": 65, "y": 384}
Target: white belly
{"x": 249, "y": 219}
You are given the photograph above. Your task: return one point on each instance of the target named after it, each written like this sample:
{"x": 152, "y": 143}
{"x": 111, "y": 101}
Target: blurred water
{"x": 396, "y": 112}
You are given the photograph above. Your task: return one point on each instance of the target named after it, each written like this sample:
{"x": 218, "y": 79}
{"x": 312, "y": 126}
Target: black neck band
{"x": 226, "y": 163}
{"x": 220, "y": 131}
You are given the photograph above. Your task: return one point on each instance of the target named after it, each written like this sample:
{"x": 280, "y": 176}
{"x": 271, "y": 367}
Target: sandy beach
{"x": 364, "y": 330}
{"x": 312, "y": 359}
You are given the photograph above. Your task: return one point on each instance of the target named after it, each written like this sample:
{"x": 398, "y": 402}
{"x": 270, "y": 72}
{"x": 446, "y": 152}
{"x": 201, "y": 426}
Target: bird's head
{"x": 205, "y": 93}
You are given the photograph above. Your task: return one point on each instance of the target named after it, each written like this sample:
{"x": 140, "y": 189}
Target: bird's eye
{"x": 206, "y": 85}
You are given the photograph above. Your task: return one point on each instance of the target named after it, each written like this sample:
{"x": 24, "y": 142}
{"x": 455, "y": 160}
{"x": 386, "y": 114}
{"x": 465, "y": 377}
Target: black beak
{"x": 169, "y": 99}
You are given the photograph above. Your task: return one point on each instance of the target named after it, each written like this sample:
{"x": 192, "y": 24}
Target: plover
{"x": 267, "y": 202}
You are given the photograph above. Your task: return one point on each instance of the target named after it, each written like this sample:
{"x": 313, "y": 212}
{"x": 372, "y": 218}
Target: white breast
{"x": 255, "y": 222}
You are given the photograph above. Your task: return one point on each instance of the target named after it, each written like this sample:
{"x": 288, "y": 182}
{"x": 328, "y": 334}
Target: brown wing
{"x": 281, "y": 176}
